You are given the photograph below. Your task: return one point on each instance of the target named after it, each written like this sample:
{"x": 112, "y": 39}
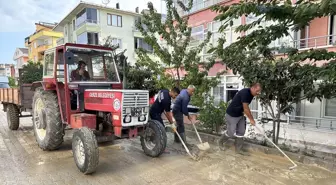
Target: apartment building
{"x": 7, "y": 70}
{"x": 90, "y": 23}
{"x": 21, "y": 58}
{"x": 41, "y": 40}
{"x": 321, "y": 33}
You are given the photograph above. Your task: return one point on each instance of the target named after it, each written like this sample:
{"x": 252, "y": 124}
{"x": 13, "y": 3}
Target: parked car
{"x": 4, "y": 82}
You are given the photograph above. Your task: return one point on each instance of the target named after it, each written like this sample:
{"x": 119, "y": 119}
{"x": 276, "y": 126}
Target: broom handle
{"x": 268, "y": 139}
{"x": 199, "y": 137}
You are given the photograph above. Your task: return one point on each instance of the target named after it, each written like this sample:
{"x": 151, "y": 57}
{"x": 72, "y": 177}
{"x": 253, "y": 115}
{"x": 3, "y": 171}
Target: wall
{"x": 317, "y": 28}
{"x": 125, "y": 33}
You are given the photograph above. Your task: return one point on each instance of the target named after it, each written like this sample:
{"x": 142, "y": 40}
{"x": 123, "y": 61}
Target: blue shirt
{"x": 162, "y": 103}
{"x": 181, "y": 102}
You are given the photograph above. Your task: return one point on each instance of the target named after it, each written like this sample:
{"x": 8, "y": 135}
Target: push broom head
{"x": 204, "y": 146}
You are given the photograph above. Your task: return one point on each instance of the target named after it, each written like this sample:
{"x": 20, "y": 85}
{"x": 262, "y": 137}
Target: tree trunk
{"x": 274, "y": 130}
{"x": 277, "y": 132}
{"x": 178, "y": 78}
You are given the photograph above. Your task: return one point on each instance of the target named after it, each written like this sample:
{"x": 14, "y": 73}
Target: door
{"x": 60, "y": 83}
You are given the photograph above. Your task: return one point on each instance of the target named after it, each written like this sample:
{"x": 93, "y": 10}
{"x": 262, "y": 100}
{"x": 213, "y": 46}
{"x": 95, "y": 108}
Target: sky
{"x": 19, "y": 18}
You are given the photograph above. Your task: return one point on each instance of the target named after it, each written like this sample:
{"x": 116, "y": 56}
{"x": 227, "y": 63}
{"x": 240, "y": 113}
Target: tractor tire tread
{"x": 91, "y": 150}
{"x": 13, "y": 114}
{"x": 161, "y": 140}
{"x": 54, "y": 137}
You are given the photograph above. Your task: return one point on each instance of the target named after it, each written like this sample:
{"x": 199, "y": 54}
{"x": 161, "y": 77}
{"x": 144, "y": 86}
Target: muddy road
{"x": 22, "y": 162}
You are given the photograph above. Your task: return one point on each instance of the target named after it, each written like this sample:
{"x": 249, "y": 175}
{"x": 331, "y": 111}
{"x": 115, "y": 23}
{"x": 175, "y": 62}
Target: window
{"x": 82, "y": 38}
{"x": 35, "y": 44}
{"x": 87, "y": 15}
{"x": 116, "y": 41}
{"x": 197, "y": 33}
{"x": 92, "y": 38}
{"x": 330, "y": 108}
{"x": 140, "y": 43}
{"x": 114, "y": 20}
{"x": 91, "y": 15}
{"x": 88, "y": 38}
{"x": 49, "y": 64}
{"x": 218, "y": 94}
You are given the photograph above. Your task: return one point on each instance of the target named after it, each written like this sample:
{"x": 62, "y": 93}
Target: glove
{"x": 173, "y": 126}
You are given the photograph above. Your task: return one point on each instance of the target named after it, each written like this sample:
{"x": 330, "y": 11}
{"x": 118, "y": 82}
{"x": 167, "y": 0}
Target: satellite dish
{"x": 105, "y": 2}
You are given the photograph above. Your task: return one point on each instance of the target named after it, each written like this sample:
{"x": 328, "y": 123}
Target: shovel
{"x": 261, "y": 131}
{"x": 184, "y": 145}
{"x": 203, "y": 146}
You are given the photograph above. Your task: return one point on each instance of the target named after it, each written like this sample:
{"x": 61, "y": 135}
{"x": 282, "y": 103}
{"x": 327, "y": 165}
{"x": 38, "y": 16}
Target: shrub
{"x": 212, "y": 117}
{"x": 31, "y": 72}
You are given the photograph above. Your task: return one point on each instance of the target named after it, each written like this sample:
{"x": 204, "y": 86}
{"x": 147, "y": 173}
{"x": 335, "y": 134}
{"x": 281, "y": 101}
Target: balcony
{"x": 326, "y": 41}
{"x": 42, "y": 48}
{"x": 199, "y": 6}
{"x": 315, "y": 42}
{"x": 87, "y": 21}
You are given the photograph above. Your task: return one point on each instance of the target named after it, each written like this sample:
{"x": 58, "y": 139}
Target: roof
{"x": 81, "y": 5}
{"x": 23, "y": 50}
{"x": 46, "y": 24}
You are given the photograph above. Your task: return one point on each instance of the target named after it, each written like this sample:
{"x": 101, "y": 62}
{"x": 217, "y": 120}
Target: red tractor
{"x": 97, "y": 108}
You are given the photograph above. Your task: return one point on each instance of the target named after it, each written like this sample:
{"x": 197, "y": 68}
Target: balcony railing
{"x": 85, "y": 22}
{"x": 302, "y": 122}
{"x": 199, "y": 6}
{"x": 309, "y": 43}
{"x": 315, "y": 42}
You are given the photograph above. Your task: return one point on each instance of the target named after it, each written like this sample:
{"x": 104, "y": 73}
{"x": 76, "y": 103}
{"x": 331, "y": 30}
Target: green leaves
{"x": 174, "y": 51}
{"x": 285, "y": 80}
{"x": 31, "y": 72}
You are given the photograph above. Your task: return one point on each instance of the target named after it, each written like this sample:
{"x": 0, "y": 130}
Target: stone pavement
{"x": 22, "y": 162}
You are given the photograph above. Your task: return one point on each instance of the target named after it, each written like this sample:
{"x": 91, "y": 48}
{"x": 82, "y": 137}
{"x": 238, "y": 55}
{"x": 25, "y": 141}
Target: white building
{"x": 20, "y": 57}
{"x": 91, "y": 23}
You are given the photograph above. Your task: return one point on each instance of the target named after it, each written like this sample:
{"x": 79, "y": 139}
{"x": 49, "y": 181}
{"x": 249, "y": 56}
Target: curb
{"x": 252, "y": 147}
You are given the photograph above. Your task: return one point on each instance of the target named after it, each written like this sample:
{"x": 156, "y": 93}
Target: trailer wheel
{"x": 85, "y": 150}
{"x": 48, "y": 127}
{"x": 13, "y": 118}
{"x": 154, "y": 139}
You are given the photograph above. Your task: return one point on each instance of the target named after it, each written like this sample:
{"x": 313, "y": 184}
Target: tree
{"x": 31, "y": 72}
{"x": 11, "y": 82}
{"x": 285, "y": 80}
{"x": 176, "y": 52}
{"x": 137, "y": 77}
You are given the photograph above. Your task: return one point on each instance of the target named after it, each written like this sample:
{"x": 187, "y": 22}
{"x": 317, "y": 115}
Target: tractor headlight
{"x": 142, "y": 118}
{"x": 128, "y": 110}
{"x": 127, "y": 119}
{"x": 145, "y": 109}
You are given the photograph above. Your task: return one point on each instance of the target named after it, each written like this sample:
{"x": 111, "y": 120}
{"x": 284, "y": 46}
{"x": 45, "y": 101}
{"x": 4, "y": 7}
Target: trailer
{"x": 15, "y": 101}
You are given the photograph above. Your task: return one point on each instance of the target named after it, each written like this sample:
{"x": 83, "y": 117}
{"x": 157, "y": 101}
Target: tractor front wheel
{"x": 154, "y": 139}
{"x": 85, "y": 150}
{"x": 47, "y": 123}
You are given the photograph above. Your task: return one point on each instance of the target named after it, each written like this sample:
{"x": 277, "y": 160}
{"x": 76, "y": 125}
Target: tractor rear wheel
{"x": 13, "y": 117}
{"x": 154, "y": 139}
{"x": 47, "y": 123}
{"x": 85, "y": 150}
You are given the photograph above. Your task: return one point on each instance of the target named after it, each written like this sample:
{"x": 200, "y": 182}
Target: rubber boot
{"x": 222, "y": 141}
{"x": 239, "y": 147}
{"x": 176, "y": 138}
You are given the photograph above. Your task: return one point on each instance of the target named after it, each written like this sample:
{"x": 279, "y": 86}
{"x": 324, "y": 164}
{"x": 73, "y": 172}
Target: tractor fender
{"x": 47, "y": 86}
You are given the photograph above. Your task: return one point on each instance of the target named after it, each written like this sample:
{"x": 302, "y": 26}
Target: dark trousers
{"x": 157, "y": 117}
{"x": 178, "y": 116}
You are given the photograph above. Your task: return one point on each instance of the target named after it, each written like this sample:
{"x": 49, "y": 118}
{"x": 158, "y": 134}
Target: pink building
{"x": 321, "y": 33}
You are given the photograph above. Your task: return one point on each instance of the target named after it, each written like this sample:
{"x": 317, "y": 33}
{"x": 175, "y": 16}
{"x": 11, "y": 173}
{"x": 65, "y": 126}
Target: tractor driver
{"x": 80, "y": 74}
